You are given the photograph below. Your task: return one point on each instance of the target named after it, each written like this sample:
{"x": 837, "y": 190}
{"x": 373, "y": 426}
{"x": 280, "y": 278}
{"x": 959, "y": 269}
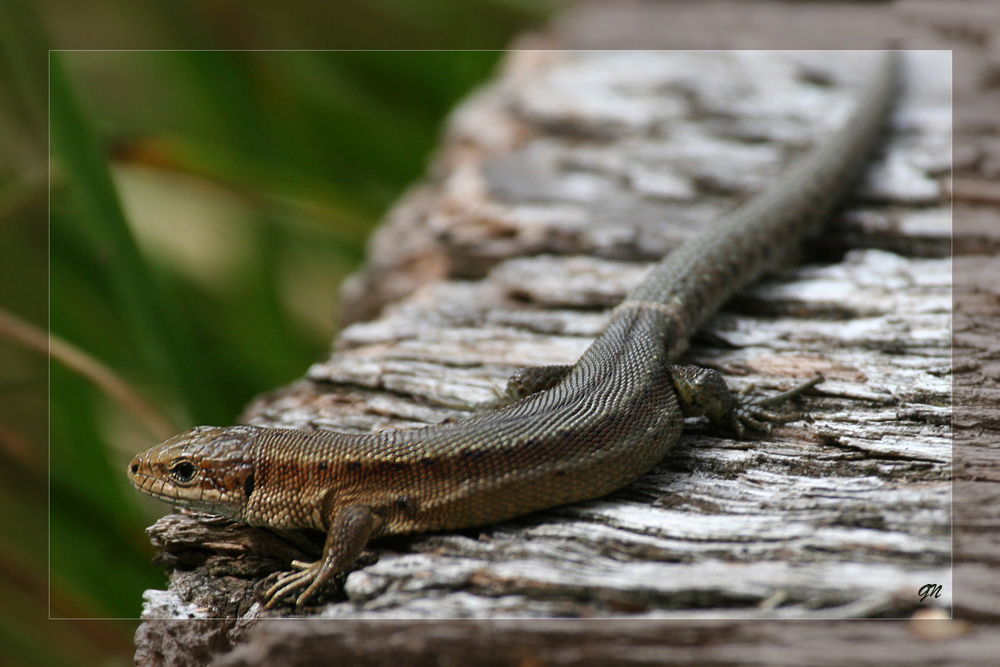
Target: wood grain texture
{"x": 528, "y": 229}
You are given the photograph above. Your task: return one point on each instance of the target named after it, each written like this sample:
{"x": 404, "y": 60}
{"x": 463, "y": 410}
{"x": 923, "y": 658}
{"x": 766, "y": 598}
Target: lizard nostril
{"x": 134, "y": 466}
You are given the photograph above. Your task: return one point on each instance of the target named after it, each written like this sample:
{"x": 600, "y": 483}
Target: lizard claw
{"x": 306, "y": 575}
{"x": 753, "y": 414}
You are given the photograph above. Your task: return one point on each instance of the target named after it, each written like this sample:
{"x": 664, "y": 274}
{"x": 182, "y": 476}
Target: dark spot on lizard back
{"x": 473, "y": 453}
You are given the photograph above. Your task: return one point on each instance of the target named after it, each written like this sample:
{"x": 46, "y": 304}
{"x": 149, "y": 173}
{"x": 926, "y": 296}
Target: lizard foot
{"x": 754, "y": 414}
{"x": 305, "y": 575}
{"x": 703, "y": 392}
{"x": 350, "y": 528}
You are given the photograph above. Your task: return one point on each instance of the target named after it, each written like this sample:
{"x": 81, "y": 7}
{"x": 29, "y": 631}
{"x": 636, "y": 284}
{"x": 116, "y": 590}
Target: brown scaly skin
{"x": 562, "y": 434}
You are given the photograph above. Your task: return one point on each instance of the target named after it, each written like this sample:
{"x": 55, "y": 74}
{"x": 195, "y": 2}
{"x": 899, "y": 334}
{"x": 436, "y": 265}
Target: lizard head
{"x": 207, "y": 468}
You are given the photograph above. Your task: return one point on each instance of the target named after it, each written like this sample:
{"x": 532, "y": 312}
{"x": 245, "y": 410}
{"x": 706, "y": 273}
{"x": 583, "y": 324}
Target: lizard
{"x": 560, "y": 434}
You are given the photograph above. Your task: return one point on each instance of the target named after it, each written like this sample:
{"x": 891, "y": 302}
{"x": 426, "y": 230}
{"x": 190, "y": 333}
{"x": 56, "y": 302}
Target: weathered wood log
{"x": 553, "y": 190}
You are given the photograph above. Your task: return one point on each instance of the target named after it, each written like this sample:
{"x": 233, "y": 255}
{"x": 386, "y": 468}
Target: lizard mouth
{"x": 154, "y": 486}
{"x": 160, "y": 487}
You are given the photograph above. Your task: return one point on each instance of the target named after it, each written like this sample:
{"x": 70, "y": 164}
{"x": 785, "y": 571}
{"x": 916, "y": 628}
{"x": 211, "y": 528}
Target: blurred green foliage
{"x": 206, "y": 200}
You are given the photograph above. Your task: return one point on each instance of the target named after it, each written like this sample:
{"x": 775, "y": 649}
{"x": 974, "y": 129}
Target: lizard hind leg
{"x": 703, "y": 392}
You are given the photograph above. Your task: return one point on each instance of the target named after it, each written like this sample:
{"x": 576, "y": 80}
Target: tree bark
{"x": 554, "y": 189}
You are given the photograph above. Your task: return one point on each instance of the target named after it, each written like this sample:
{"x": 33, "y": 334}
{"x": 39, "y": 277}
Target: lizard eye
{"x": 182, "y": 471}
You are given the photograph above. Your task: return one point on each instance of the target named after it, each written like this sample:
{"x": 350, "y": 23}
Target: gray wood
{"x": 553, "y": 189}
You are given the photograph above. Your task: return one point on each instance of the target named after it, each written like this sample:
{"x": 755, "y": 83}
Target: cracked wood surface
{"x": 510, "y": 254}
{"x": 848, "y": 516}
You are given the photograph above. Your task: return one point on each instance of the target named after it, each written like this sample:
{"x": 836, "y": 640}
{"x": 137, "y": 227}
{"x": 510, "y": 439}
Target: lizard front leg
{"x": 349, "y": 531}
